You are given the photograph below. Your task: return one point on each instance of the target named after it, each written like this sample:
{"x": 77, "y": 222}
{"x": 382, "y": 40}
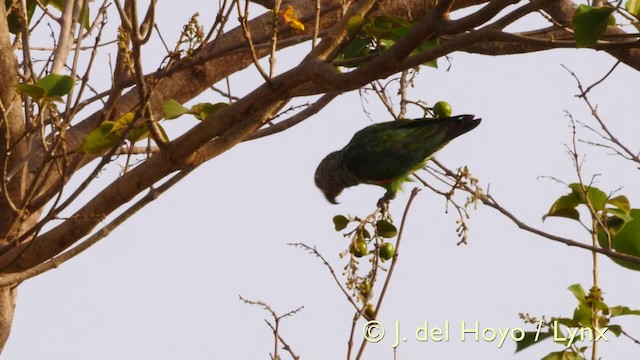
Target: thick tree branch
{"x": 562, "y": 11}
{"x": 183, "y": 154}
{"x": 15, "y": 279}
{"x": 11, "y": 130}
{"x": 224, "y": 56}
{"x": 237, "y": 120}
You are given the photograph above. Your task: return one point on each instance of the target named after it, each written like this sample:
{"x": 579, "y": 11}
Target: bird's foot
{"x": 384, "y": 202}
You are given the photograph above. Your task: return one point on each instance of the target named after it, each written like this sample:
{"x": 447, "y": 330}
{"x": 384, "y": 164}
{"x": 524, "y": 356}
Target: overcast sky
{"x": 165, "y": 285}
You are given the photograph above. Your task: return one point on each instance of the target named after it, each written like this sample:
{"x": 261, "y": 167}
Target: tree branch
{"x": 12, "y": 129}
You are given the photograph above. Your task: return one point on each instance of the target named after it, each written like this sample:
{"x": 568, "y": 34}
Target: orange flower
{"x": 289, "y": 17}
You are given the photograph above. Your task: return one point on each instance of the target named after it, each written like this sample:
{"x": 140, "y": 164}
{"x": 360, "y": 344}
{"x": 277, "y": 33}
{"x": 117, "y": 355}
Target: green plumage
{"x": 386, "y": 154}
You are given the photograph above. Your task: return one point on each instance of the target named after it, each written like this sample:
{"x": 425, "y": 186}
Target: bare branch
{"x": 69, "y": 17}
{"x": 492, "y": 203}
{"x": 275, "y": 329}
{"x": 315, "y": 252}
{"x": 18, "y": 277}
{"x": 628, "y": 153}
{"x": 296, "y": 119}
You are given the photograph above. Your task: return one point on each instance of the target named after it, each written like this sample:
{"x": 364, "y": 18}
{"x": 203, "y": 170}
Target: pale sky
{"x": 165, "y": 285}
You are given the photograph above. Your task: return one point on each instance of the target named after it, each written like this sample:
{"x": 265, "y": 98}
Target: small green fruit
{"x": 386, "y": 251}
{"x": 370, "y": 312}
{"x": 442, "y": 109}
{"x": 365, "y": 288}
{"x": 359, "y": 248}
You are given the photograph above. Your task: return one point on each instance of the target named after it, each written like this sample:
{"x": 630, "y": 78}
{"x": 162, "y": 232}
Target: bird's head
{"x": 328, "y": 177}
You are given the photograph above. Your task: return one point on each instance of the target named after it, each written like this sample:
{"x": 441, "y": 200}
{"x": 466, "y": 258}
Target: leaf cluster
{"x": 376, "y": 35}
{"x": 590, "y": 313}
{"x": 616, "y": 224}
{"x": 111, "y": 133}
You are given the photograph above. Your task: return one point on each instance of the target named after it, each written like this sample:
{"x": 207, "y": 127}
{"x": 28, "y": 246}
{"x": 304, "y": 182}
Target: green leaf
{"x": 356, "y": 48}
{"x": 626, "y": 240}
{"x": 56, "y": 85}
{"x": 566, "y": 213}
{"x": 582, "y": 314}
{"x": 100, "y": 139}
{"x": 386, "y": 229}
{"x": 13, "y": 19}
{"x": 554, "y": 356}
{"x": 622, "y": 310}
{"x": 563, "y": 355}
{"x": 384, "y": 30}
{"x": 139, "y": 133}
{"x": 426, "y": 46}
{"x": 596, "y": 197}
{"x": 353, "y": 25}
{"x": 589, "y": 24}
{"x": 122, "y": 123}
{"x": 530, "y": 339}
{"x": 402, "y": 31}
{"x": 394, "y": 21}
{"x": 633, "y": 7}
{"x": 340, "y": 222}
{"x": 202, "y": 110}
{"x": 615, "y": 329}
{"x": 567, "y": 322}
{"x": 59, "y": 5}
{"x": 136, "y": 134}
{"x": 565, "y": 206}
{"x": 578, "y": 291}
{"x": 599, "y": 305}
{"x": 36, "y": 92}
{"x": 173, "y": 109}
{"x": 615, "y": 223}
{"x": 86, "y": 20}
{"x": 365, "y": 234}
{"x": 379, "y": 31}
{"x": 624, "y": 216}
{"x": 621, "y": 202}
{"x": 165, "y": 137}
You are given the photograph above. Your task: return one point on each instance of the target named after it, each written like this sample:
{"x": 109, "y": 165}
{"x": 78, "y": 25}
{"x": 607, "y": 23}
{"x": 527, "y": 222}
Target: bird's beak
{"x": 332, "y": 200}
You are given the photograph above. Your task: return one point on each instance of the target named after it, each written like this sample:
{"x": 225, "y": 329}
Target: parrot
{"x": 386, "y": 154}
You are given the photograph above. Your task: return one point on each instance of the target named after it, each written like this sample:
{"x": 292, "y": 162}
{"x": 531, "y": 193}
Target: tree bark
{"x": 7, "y": 307}
{"x": 228, "y": 55}
{"x": 12, "y": 127}
{"x": 12, "y": 147}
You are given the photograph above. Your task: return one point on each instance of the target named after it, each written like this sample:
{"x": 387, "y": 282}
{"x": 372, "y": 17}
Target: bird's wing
{"x": 386, "y": 151}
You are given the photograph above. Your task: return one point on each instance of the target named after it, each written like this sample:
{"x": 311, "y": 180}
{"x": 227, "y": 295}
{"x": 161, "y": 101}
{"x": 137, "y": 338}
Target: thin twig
{"x": 594, "y": 112}
{"x": 490, "y": 201}
{"x": 601, "y": 80}
{"x": 247, "y": 35}
{"x": 295, "y": 119}
{"x": 315, "y": 252}
{"x": 394, "y": 261}
{"x": 630, "y": 337}
{"x": 16, "y": 278}
{"x": 274, "y": 328}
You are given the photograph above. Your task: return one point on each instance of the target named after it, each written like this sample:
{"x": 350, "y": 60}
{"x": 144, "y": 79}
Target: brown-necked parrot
{"x": 385, "y": 154}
